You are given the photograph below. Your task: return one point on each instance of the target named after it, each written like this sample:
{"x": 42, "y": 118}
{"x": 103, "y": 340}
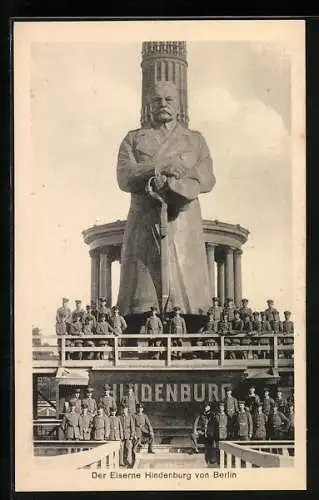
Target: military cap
{"x": 236, "y": 311}
{"x": 107, "y": 387}
{"x": 262, "y": 313}
{"x": 65, "y": 299}
{"x": 124, "y": 405}
{"x": 78, "y": 301}
{"x": 270, "y": 301}
{"x": 215, "y": 299}
{"x": 227, "y": 389}
{"x": 129, "y": 386}
{"x": 77, "y": 390}
{"x": 154, "y": 308}
{"x": 245, "y": 300}
{"x": 288, "y": 313}
{"x": 255, "y": 313}
{"x": 241, "y": 403}
{"x": 100, "y": 406}
{"x": 90, "y": 389}
{"x": 85, "y": 405}
{"x": 139, "y": 405}
{"x": 112, "y": 409}
{"x": 102, "y": 299}
{"x": 102, "y": 316}
{"x": 116, "y": 308}
{"x": 88, "y": 306}
{"x": 266, "y": 389}
{"x": 229, "y": 299}
{"x": 177, "y": 308}
{"x": 252, "y": 387}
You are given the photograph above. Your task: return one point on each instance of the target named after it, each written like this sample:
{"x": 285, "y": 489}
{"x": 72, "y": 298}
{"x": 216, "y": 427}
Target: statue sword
{"x": 164, "y": 245}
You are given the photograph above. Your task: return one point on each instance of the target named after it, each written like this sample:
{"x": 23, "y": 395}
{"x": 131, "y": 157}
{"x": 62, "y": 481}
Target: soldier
{"x": 259, "y": 424}
{"x": 256, "y": 323}
{"x": 276, "y": 423}
{"x": 265, "y": 329}
{"x": 76, "y": 329}
{"x": 245, "y": 310}
{"x": 276, "y": 323}
{"x": 237, "y": 323}
{"x": 229, "y": 309}
{"x": 107, "y": 401}
{"x": 94, "y": 309}
{"x": 78, "y": 311}
{"x": 103, "y": 327}
{"x": 267, "y": 402}
{"x": 89, "y": 315}
{"x": 153, "y": 327}
{"x": 116, "y": 431}
{"x": 90, "y": 402}
{"x": 143, "y": 429}
{"x": 252, "y": 400}
{"x": 209, "y": 327}
{"x": 270, "y": 311}
{"x": 290, "y": 430}
{"x": 88, "y": 331}
{"x": 177, "y": 325}
{"x": 215, "y": 310}
{"x": 126, "y": 448}
{"x": 217, "y": 429}
{"x": 75, "y": 398}
{"x": 85, "y": 423}
{"x": 225, "y": 328}
{"x": 280, "y": 402}
{"x": 103, "y": 309}
{"x": 199, "y": 434}
{"x": 246, "y": 341}
{"x": 288, "y": 329}
{"x": 100, "y": 425}
{"x": 63, "y": 318}
{"x": 119, "y": 324}
{"x": 130, "y": 400}
{"x": 70, "y": 423}
{"x": 243, "y": 424}
{"x": 231, "y": 408}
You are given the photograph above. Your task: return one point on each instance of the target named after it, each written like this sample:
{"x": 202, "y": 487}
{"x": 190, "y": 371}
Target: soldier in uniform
{"x": 89, "y": 315}
{"x": 229, "y": 309}
{"x": 209, "y": 327}
{"x": 103, "y": 327}
{"x": 90, "y": 402}
{"x": 103, "y": 309}
{"x": 177, "y": 325}
{"x": 267, "y": 402}
{"x": 252, "y": 400}
{"x": 78, "y": 311}
{"x": 85, "y": 423}
{"x": 76, "y": 329}
{"x": 116, "y": 431}
{"x": 199, "y": 434}
{"x": 225, "y": 328}
{"x": 153, "y": 327}
{"x": 256, "y": 323}
{"x": 215, "y": 310}
{"x": 143, "y": 429}
{"x": 270, "y": 311}
{"x": 94, "y": 310}
{"x": 231, "y": 408}
{"x": 63, "y": 318}
{"x": 290, "y": 430}
{"x": 217, "y": 428}
{"x": 130, "y": 400}
{"x": 107, "y": 401}
{"x": 119, "y": 324}
{"x": 265, "y": 328}
{"x": 259, "y": 424}
{"x": 70, "y": 423}
{"x": 126, "y": 448}
{"x": 245, "y": 310}
{"x": 288, "y": 329}
{"x": 100, "y": 425}
{"x": 75, "y": 398}
{"x": 245, "y": 341}
{"x": 276, "y": 424}
{"x": 88, "y": 331}
{"x": 276, "y": 323}
{"x": 243, "y": 424}
{"x": 280, "y": 402}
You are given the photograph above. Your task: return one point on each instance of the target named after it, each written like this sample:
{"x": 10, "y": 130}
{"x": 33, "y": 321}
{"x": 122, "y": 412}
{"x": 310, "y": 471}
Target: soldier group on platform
{"x": 240, "y": 326}
{"x": 255, "y": 418}
{"x": 89, "y": 419}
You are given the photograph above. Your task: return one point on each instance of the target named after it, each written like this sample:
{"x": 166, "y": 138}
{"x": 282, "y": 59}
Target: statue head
{"x": 163, "y": 102}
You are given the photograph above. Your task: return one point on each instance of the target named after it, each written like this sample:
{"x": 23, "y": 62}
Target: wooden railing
{"x": 244, "y": 454}
{"x": 277, "y": 353}
{"x": 77, "y": 454}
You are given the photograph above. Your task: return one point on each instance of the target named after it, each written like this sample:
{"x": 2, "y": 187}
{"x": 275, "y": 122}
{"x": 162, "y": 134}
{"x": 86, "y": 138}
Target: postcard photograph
{"x": 159, "y": 193}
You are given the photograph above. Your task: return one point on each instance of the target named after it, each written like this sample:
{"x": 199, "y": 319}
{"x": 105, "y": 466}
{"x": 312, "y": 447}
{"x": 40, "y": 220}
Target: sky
{"x": 84, "y": 97}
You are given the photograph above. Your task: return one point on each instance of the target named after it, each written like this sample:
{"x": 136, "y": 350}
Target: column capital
{"x": 229, "y": 249}
{"x": 94, "y": 253}
{"x": 238, "y": 251}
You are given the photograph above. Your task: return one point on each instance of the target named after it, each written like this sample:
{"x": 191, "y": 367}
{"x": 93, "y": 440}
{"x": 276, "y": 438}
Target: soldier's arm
{"x": 107, "y": 427}
{"x": 131, "y": 175}
{"x": 148, "y": 423}
{"x": 250, "y": 425}
{"x": 184, "y": 326}
{"x": 195, "y": 425}
{"x": 160, "y": 325}
{"x": 123, "y": 323}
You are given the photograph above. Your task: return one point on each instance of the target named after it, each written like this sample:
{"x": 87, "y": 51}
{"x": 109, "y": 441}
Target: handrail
{"x": 246, "y": 452}
{"x": 104, "y": 455}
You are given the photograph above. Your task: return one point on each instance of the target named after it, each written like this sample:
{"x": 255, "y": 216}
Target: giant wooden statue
{"x": 165, "y": 167}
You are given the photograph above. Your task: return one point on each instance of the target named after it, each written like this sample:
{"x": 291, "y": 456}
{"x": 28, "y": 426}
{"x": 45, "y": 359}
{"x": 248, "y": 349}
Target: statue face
{"x": 163, "y": 101}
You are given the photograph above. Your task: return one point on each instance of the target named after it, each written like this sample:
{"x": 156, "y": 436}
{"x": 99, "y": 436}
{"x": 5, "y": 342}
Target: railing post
{"x": 248, "y": 465}
{"x": 222, "y": 350}
{"x": 228, "y": 460}
{"x": 116, "y": 351}
{"x": 237, "y": 462}
{"x": 221, "y": 459}
{"x": 169, "y": 351}
{"x": 275, "y": 351}
{"x": 62, "y": 350}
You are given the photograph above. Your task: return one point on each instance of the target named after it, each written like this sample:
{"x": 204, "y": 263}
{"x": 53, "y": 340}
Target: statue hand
{"x": 159, "y": 182}
{"x": 177, "y": 170}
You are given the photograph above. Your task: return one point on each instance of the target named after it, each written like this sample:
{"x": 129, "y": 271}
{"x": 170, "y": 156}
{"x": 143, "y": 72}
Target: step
{"x": 166, "y": 460}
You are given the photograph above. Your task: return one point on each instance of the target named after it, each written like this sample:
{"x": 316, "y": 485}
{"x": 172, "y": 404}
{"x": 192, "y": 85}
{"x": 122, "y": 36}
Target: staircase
{"x": 171, "y": 457}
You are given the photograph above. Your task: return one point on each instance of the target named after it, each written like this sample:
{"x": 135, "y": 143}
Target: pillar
{"x": 237, "y": 277}
{"x": 229, "y": 273}
{"x": 221, "y": 282}
{"x": 105, "y": 277}
{"x": 210, "y": 254}
{"x": 95, "y": 265}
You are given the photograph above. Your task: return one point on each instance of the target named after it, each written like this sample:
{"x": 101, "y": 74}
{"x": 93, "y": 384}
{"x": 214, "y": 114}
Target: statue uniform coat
{"x": 141, "y": 155}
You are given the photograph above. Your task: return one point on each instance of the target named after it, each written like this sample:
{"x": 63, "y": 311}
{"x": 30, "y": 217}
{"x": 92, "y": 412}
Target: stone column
{"x": 229, "y": 273}
{"x": 210, "y": 254}
{"x": 95, "y": 265}
{"x": 105, "y": 278}
{"x": 221, "y": 282}
{"x": 237, "y": 277}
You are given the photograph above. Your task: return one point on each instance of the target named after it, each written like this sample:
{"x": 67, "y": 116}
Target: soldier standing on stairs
{"x": 143, "y": 430}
